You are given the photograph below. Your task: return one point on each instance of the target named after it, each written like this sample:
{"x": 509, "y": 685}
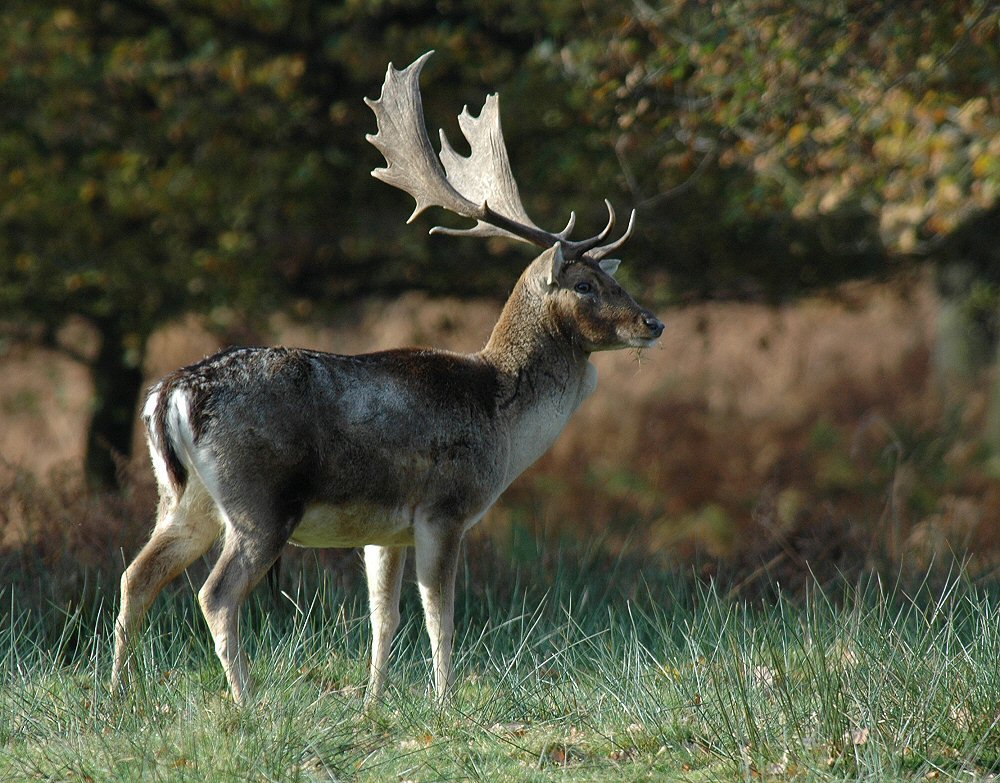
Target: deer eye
{"x": 583, "y": 287}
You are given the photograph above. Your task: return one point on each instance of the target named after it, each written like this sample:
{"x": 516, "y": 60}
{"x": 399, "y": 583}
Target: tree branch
{"x": 42, "y": 335}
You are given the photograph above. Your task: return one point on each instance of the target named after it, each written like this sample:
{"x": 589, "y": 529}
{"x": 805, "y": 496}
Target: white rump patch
{"x": 197, "y": 460}
{"x": 149, "y": 409}
{"x": 153, "y": 442}
{"x": 178, "y": 420}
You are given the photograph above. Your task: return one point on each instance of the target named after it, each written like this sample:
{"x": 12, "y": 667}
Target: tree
{"x": 158, "y": 157}
{"x": 124, "y": 185}
{"x": 892, "y": 109}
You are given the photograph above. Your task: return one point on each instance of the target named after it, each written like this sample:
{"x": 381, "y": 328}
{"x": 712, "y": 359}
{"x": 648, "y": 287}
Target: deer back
{"x": 293, "y": 428}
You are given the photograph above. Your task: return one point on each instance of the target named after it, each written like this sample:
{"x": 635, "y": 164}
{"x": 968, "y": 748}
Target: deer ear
{"x": 609, "y": 265}
{"x": 552, "y": 262}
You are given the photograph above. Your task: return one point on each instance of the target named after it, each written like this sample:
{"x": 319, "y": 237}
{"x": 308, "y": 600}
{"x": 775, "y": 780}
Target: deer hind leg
{"x": 185, "y": 529}
{"x": 437, "y": 550}
{"x": 384, "y": 570}
{"x": 245, "y": 559}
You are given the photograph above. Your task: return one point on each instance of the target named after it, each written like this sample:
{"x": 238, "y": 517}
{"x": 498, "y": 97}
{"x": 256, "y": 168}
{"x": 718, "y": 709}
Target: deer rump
{"x": 334, "y": 450}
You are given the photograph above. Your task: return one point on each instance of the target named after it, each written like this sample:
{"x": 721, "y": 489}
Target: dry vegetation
{"x": 752, "y": 442}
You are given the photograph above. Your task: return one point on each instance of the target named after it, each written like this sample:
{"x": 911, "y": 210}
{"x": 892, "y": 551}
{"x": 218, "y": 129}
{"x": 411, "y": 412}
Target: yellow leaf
{"x": 797, "y": 133}
{"x": 981, "y": 165}
{"x": 64, "y": 19}
{"x": 89, "y": 191}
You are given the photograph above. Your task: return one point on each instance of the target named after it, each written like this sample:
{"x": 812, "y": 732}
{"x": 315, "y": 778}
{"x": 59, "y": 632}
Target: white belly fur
{"x": 353, "y": 525}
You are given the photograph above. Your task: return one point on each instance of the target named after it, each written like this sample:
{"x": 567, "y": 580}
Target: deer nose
{"x": 654, "y": 324}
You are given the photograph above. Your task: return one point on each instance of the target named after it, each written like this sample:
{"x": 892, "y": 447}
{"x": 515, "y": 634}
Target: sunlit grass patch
{"x": 648, "y": 677}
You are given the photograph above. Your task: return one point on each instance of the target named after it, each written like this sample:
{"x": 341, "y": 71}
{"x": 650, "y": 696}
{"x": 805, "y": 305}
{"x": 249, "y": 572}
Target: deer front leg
{"x": 437, "y": 547}
{"x": 384, "y": 570}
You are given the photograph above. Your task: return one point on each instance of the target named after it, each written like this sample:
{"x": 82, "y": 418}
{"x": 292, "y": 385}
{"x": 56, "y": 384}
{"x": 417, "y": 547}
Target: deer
{"x": 256, "y": 447}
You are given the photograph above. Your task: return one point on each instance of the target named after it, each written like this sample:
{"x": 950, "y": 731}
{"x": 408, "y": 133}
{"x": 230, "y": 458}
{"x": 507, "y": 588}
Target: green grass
{"x": 588, "y": 674}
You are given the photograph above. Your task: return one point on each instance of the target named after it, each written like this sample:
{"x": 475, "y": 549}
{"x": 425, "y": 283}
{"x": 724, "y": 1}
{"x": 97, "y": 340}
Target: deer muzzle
{"x": 653, "y": 324}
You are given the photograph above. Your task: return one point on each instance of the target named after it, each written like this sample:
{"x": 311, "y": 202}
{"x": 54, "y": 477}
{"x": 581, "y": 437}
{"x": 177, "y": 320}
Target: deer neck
{"x": 529, "y": 340}
{"x": 544, "y": 374}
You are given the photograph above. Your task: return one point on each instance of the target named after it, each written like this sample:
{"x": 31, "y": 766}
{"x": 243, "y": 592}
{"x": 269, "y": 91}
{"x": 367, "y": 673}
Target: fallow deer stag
{"x": 389, "y": 450}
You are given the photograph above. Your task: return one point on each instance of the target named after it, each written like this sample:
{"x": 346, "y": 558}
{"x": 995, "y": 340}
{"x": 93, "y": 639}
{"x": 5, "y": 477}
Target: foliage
{"x": 165, "y": 157}
{"x": 159, "y": 157}
{"x": 810, "y": 110}
{"x": 636, "y": 678}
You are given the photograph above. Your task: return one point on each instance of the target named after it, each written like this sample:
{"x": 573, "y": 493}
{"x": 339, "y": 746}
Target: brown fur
{"x": 400, "y": 447}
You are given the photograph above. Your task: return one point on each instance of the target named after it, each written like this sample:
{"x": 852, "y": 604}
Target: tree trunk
{"x": 966, "y": 348}
{"x": 967, "y": 332}
{"x": 117, "y": 384}
{"x": 963, "y": 347}
{"x": 992, "y": 430}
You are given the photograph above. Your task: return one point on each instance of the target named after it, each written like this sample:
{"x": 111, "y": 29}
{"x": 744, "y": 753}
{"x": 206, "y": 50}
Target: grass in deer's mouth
{"x": 576, "y": 679}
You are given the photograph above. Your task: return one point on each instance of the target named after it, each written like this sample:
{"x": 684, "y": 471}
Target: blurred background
{"x": 817, "y": 186}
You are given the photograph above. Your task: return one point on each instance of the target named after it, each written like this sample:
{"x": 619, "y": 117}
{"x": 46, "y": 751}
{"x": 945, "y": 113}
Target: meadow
{"x": 573, "y": 666}
{"x": 766, "y": 551}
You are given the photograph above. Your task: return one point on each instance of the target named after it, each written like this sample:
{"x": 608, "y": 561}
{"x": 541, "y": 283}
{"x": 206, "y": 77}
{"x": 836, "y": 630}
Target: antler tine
{"x": 584, "y": 245}
{"x": 570, "y": 225}
{"x": 598, "y": 253}
{"x": 612, "y": 219}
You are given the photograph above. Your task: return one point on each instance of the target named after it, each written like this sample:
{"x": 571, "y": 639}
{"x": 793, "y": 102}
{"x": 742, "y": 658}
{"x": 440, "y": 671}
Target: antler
{"x": 480, "y": 186}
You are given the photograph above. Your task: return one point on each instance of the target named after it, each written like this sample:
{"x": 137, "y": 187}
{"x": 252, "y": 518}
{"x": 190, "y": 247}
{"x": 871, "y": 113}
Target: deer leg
{"x": 244, "y": 561}
{"x": 183, "y": 533}
{"x": 384, "y": 570}
{"x": 437, "y": 548}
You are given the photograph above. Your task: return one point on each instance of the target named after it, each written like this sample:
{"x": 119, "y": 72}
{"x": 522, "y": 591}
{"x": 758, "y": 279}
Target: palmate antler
{"x": 480, "y": 186}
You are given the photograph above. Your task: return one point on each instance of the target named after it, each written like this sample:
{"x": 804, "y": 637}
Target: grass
{"x": 588, "y": 673}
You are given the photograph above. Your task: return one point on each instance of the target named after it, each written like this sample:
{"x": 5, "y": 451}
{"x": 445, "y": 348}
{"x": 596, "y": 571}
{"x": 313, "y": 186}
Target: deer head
{"x": 584, "y": 302}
